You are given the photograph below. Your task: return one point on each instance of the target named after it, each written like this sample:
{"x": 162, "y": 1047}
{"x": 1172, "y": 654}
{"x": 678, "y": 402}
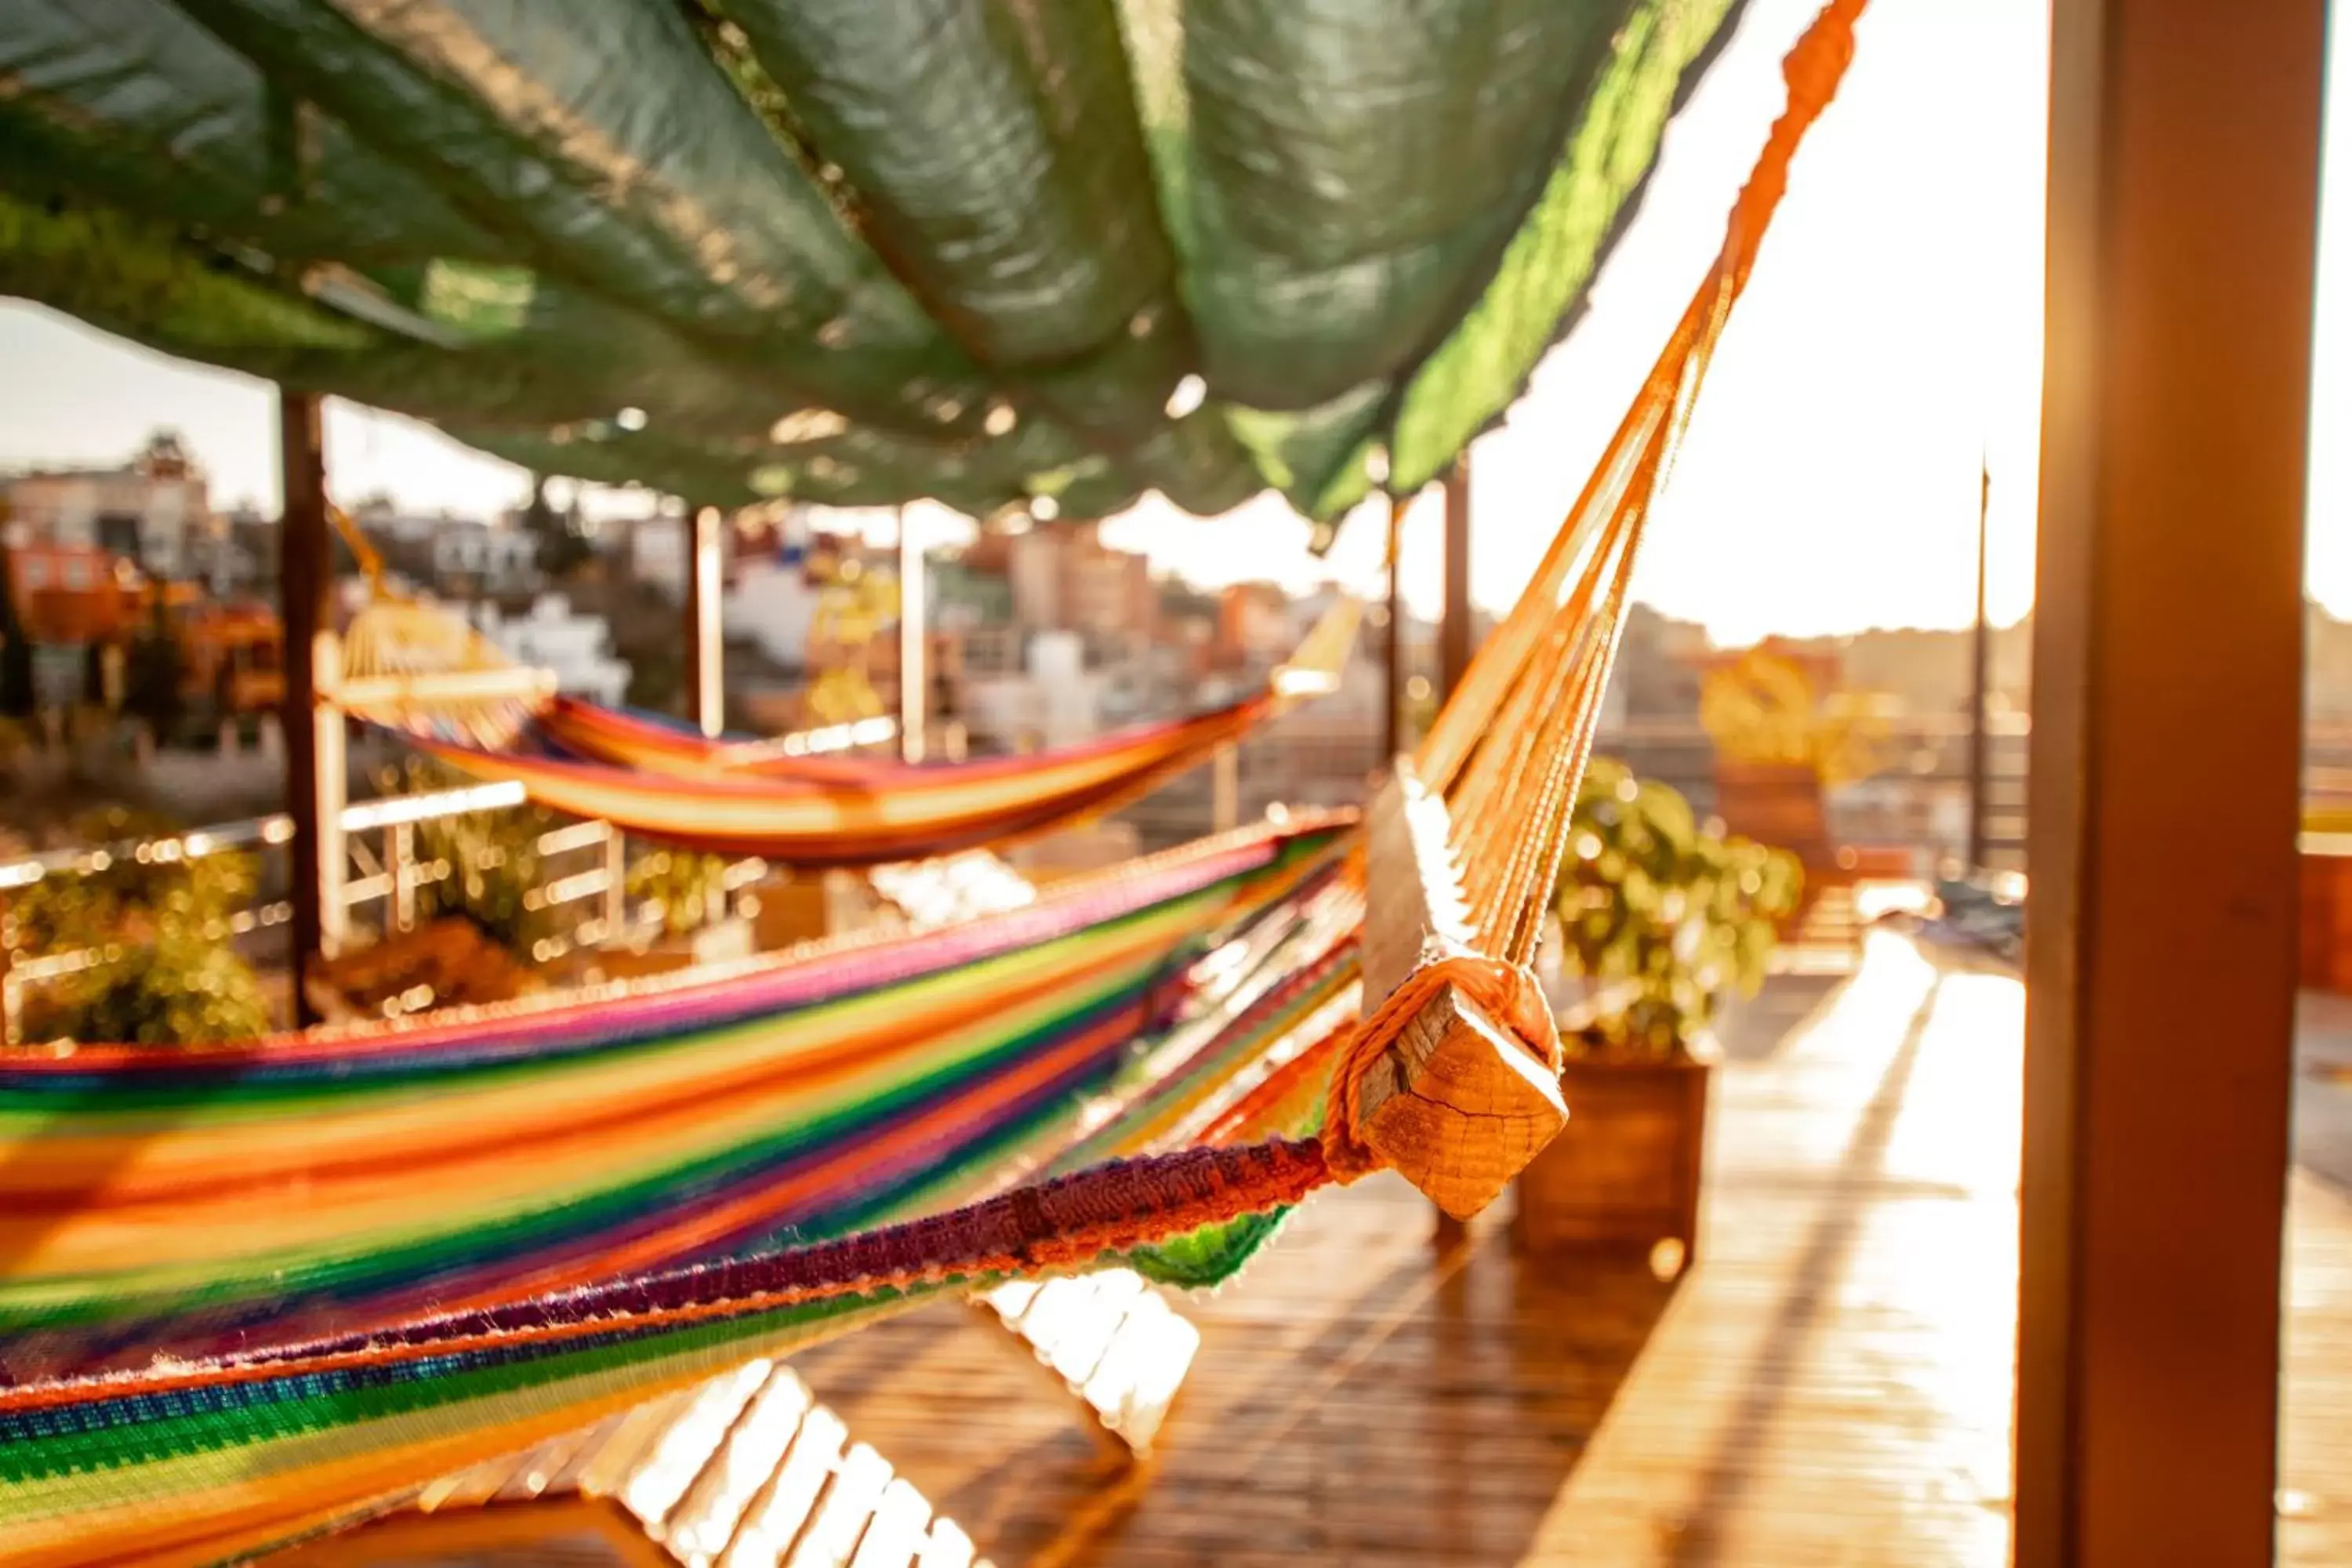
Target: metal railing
{"x": 383, "y": 886}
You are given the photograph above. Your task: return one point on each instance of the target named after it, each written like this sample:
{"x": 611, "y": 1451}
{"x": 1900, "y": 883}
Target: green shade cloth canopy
{"x": 856, "y": 252}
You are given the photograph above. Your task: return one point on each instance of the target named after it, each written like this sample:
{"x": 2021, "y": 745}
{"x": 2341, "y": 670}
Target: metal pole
{"x": 305, "y": 584}
{"x": 2160, "y": 987}
{"x": 1980, "y": 687}
{"x": 1447, "y": 1233}
{"x": 706, "y": 696}
{"x": 913, "y": 667}
{"x": 1392, "y": 727}
{"x": 1453, "y": 637}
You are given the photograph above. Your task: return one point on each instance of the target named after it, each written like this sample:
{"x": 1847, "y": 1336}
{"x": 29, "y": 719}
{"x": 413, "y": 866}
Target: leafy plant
{"x": 686, "y": 887}
{"x": 1663, "y": 915}
{"x": 178, "y": 990}
{"x": 122, "y": 899}
{"x": 492, "y": 860}
{"x": 159, "y": 925}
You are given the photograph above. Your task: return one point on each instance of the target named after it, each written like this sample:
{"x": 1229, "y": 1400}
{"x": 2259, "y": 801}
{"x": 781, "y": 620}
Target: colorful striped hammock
{"x": 160, "y": 1200}
{"x": 1243, "y": 1112}
{"x": 197, "y": 1453}
{"x": 411, "y": 669}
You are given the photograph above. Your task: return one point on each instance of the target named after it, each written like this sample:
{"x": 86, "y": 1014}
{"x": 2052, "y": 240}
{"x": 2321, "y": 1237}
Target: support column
{"x": 1392, "y": 738}
{"x": 1453, "y": 637}
{"x": 2167, "y": 726}
{"x": 914, "y": 667}
{"x": 1979, "y": 684}
{"x": 305, "y": 588}
{"x": 1225, "y": 788}
{"x": 705, "y": 694}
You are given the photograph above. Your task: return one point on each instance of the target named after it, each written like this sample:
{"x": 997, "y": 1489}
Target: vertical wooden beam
{"x": 305, "y": 587}
{"x": 1225, "y": 788}
{"x": 1980, "y": 680}
{"x": 705, "y": 692}
{"x": 1392, "y": 737}
{"x": 614, "y": 905}
{"x": 1453, "y": 638}
{"x": 2168, "y": 716}
{"x": 914, "y": 623}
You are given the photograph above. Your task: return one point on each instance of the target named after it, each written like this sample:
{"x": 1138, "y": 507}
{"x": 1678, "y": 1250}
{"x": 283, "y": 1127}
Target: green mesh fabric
{"x": 850, "y": 251}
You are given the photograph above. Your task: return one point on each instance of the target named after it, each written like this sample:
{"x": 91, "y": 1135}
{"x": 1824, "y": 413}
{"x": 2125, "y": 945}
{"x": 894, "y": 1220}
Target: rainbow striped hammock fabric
{"x": 753, "y": 797}
{"x": 252, "y": 1296}
{"x": 161, "y": 1213}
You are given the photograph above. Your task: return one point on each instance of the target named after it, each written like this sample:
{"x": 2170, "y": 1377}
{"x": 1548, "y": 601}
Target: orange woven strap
{"x": 1507, "y": 992}
{"x": 363, "y": 554}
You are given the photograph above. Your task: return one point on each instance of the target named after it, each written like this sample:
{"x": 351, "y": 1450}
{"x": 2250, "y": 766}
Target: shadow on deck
{"x": 1830, "y": 1384}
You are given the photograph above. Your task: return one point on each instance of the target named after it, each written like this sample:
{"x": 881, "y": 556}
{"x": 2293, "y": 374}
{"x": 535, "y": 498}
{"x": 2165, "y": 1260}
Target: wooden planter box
{"x": 1625, "y": 1171}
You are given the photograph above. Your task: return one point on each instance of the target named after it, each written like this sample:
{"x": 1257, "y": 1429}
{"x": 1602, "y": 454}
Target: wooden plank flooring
{"x": 1830, "y": 1387}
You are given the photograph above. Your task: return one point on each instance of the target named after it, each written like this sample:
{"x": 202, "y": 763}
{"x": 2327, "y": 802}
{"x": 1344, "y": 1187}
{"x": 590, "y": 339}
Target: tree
{"x": 564, "y": 547}
{"x": 152, "y": 682}
{"x": 657, "y": 678}
{"x": 15, "y": 653}
{"x": 153, "y": 679}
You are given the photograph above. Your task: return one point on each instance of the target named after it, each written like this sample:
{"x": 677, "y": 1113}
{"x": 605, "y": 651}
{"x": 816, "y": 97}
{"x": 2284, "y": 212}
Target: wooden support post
{"x": 1392, "y": 737}
{"x": 305, "y": 590}
{"x": 913, "y": 627}
{"x": 705, "y": 692}
{"x": 2167, "y": 727}
{"x": 400, "y": 863}
{"x": 616, "y": 904}
{"x": 1225, "y": 788}
{"x": 1454, "y": 639}
{"x": 1453, "y": 647}
{"x": 1979, "y": 683}
{"x": 329, "y": 732}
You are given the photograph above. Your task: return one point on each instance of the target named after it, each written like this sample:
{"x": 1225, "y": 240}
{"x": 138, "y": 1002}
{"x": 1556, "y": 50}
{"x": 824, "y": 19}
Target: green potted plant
{"x": 1659, "y": 917}
{"x": 158, "y": 927}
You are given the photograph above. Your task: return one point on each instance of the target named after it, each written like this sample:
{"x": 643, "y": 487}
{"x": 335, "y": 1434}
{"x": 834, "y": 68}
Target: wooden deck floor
{"x": 1829, "y": 1385}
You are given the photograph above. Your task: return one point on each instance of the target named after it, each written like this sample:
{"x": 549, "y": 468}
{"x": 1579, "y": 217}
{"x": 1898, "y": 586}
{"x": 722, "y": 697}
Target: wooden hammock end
{"x": 1458, "y": 1105}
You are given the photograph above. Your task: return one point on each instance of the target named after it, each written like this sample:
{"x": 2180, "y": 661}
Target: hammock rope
{"x": 1478, "y": 821}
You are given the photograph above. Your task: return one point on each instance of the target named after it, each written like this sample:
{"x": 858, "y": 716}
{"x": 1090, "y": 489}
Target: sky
{"x": 1887, "y": 351}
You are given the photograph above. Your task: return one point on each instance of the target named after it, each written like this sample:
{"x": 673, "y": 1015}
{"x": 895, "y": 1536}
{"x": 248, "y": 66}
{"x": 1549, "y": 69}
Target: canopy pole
{"x": 706, "y": 696}
{"x": 1454, "y": 636}
{"x": 2167, "y": 717}
{"x": 1980, "y": 682}
{"x": 912, "y": 644}
{"x": 311, "y": 729}
{"x": 1392, "y": 728}
{"x": 1449, "y": 1234}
